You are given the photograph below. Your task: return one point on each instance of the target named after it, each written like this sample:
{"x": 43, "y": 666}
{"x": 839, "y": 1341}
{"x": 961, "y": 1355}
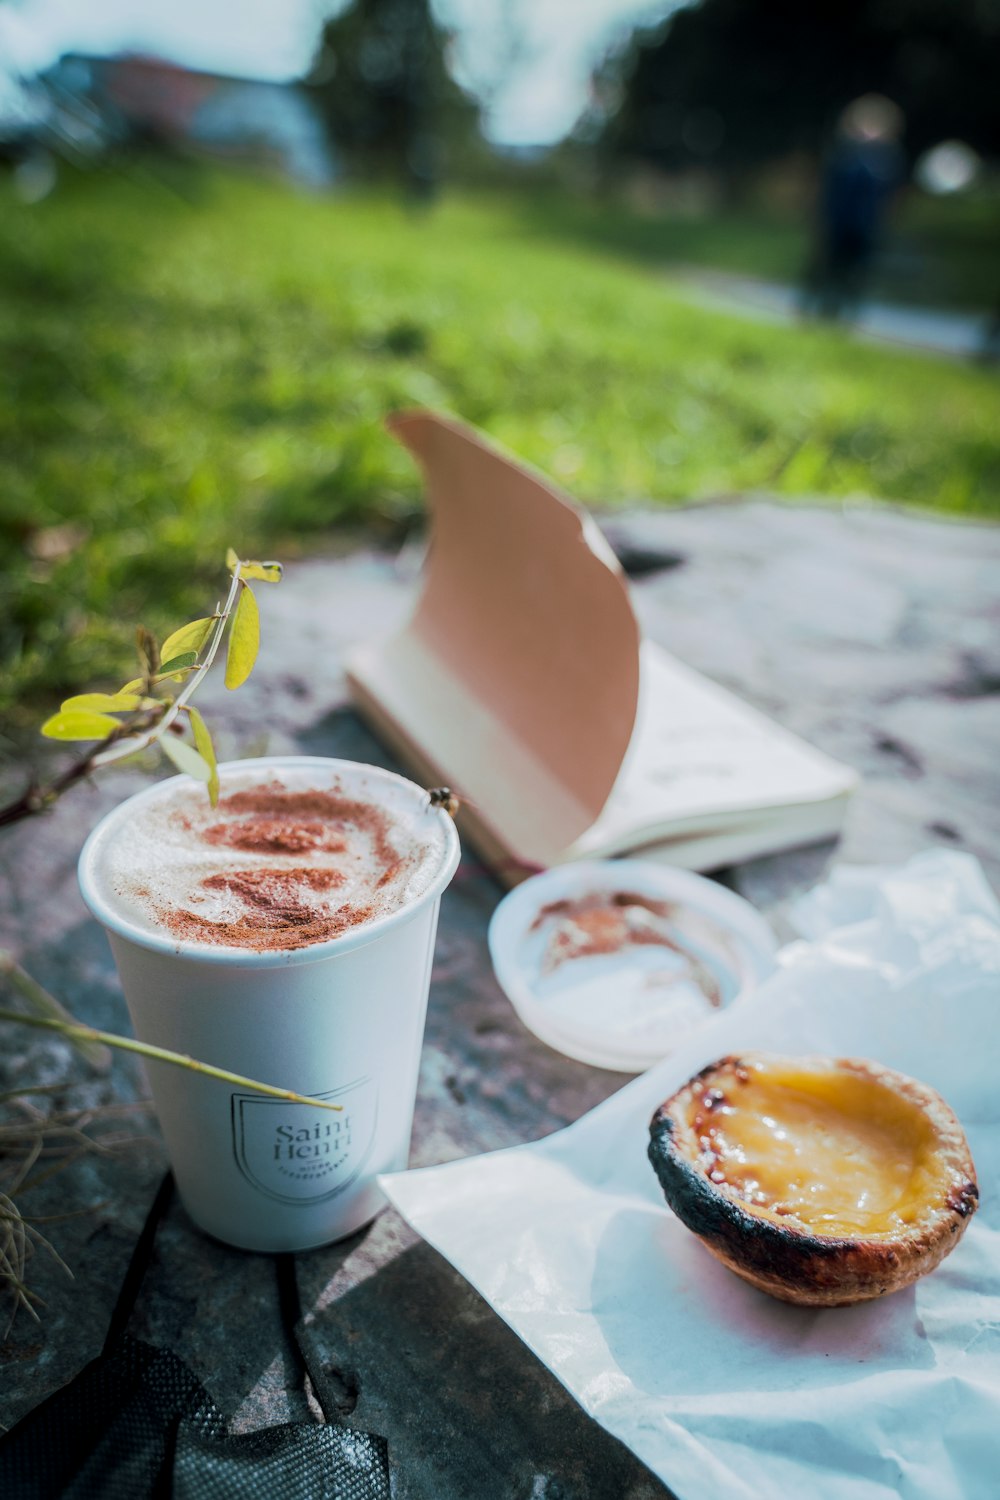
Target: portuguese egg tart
{"x": 823, "y": 1181}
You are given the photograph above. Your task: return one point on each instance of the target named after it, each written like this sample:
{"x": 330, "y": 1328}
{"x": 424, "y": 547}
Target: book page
{"x": 701, "y": 757}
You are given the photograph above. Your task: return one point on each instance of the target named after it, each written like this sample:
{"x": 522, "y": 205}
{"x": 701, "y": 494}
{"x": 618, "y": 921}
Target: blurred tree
{"x": 390, "y": 104}
{"x": 737, "y": 83}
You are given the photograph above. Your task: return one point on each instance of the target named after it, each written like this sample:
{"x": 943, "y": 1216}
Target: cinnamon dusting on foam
{"x": 277, "y": 916}
{"x": 315, "y": 864}
{"x": 287, "y": 822}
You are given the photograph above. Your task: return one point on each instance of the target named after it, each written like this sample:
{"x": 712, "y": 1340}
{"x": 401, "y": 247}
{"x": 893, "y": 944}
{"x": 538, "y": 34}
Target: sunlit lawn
{"x": 208, "y": 362}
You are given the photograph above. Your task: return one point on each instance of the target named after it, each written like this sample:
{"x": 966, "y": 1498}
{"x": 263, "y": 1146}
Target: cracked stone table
{"x": 875, "y": 633}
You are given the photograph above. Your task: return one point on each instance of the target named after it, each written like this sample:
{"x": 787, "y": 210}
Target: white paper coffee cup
{"x": 341, "y": 1020}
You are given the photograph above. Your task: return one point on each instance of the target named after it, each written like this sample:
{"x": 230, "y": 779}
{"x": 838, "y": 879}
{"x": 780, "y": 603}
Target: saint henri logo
{"x": 296, "y": 1154}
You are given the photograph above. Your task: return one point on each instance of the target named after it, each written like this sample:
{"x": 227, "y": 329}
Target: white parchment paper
{"x": 721, "y": 1390}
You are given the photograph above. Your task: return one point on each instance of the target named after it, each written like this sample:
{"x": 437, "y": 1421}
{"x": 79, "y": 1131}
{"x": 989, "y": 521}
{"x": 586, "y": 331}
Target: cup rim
{"x": 120, "y": 925}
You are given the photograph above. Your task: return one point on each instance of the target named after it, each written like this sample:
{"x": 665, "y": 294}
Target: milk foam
{"x": 291, "y": 856}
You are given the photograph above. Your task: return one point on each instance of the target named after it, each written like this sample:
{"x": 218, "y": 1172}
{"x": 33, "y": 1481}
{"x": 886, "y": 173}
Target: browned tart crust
{"x": 823, "y": 1181}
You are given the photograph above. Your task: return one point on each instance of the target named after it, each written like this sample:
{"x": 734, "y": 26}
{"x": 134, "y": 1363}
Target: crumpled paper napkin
{"x": 721, "y": 1390}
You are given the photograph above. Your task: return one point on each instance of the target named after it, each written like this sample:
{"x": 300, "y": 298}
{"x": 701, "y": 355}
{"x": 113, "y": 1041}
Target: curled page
{"x": 518, "y": 674}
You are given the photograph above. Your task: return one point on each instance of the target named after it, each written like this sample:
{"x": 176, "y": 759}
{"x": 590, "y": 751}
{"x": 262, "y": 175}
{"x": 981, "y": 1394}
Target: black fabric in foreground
{"x": 300, "y": 1461}
{"x": 136, "y": 1424}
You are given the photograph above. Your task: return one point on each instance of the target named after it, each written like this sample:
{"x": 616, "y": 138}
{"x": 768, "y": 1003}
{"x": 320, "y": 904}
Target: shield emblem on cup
{"x": 296, "y": 1154}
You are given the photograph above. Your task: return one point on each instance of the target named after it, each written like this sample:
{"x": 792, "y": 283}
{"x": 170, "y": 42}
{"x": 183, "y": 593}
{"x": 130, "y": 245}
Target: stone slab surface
{"x": 874, "y": 633}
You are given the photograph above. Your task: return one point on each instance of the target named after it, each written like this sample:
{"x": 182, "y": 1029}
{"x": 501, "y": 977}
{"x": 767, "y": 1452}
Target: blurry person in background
{"x": 860, "y": 177}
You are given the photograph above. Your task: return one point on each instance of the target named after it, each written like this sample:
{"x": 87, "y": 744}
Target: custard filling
{"x": 836, "y": 1152}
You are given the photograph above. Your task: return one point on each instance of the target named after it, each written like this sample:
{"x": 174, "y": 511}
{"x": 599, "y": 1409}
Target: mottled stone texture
{"x": 874, "y": 633}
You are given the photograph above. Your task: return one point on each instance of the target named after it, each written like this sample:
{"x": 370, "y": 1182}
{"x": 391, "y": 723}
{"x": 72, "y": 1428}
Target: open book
{"x": 522, "y": 683}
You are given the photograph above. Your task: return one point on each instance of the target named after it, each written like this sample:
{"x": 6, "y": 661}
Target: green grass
{"x": 184, "y": 369}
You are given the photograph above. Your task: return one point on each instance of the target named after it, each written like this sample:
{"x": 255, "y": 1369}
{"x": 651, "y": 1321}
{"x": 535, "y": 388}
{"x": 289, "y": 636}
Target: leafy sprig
{"x": 148, "y": 710}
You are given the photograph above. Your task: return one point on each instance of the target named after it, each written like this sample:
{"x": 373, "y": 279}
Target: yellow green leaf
{"x": 138, "y": 684}
{"x": 244, "y": 639}
{"x": 189, "y": 638}
{"x": 177, "y": 664}
{"x": 79, "y": 725}
{"x": 203, "y": 744}
{"x": 186, "y": 758}
{"x": 109, "y": 703}
{"x": 268, "y": 572}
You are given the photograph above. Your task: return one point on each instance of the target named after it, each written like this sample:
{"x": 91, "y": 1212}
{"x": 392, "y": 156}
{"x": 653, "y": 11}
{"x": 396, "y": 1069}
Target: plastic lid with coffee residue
{"x": 612, "y": 962}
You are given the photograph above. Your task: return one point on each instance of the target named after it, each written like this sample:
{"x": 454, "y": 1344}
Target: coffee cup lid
{"x": 612, "y": 962}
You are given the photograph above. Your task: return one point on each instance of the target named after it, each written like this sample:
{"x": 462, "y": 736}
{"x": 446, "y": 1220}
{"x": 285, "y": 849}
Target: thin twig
{"x": 77, "y": 1032}
{"x": 216, "y": 641}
